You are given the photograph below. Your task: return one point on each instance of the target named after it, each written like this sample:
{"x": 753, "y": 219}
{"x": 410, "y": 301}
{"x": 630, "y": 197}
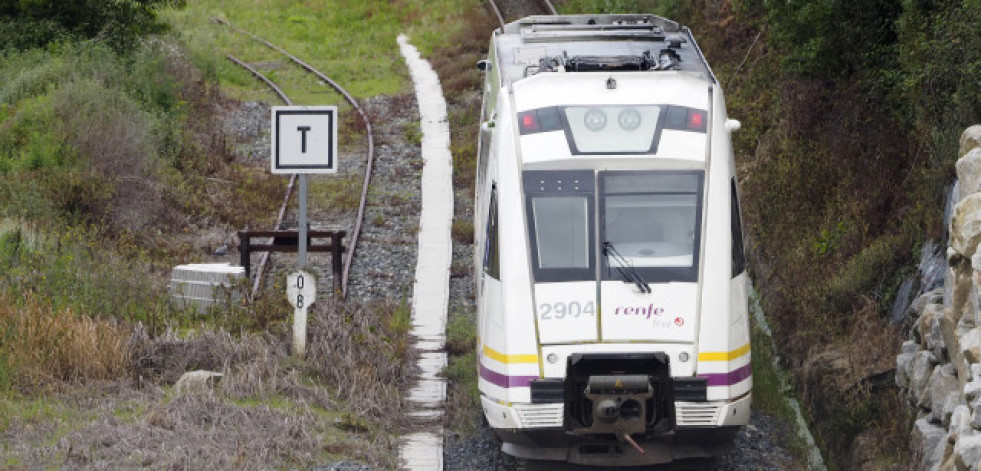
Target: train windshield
{"x": 653, "y": 219}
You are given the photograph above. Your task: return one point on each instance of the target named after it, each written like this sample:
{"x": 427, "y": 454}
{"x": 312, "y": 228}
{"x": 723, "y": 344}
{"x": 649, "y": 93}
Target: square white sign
{"x": 304, "y": 139}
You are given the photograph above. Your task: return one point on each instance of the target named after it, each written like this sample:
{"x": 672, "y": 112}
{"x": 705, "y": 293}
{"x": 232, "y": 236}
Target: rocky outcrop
{"x": 939, "y": 368}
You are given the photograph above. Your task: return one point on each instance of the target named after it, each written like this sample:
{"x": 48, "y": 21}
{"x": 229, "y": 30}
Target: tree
{"x": 30, "y": 23}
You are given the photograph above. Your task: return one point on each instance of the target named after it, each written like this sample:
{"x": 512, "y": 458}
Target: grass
{"x": 770, "y": 388}
{"x": 353, "y": 43}
{"x": 83, "y": 258}
{"x": 339, "y": 193}
{"x": 89, "y": 427}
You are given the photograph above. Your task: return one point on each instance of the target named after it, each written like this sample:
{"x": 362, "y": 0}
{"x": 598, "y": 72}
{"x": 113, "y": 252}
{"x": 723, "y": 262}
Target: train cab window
{"x": 652, "y": 219}
{"x": 492, "y": 259}
{"x": 560, "y": 222}
{"x": 738, "y": 251}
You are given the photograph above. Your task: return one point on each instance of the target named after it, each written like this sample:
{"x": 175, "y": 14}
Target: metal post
{"x": 335, "y": 257}
{"x": 245, "y": 258}
{"x": 302, "y": 255}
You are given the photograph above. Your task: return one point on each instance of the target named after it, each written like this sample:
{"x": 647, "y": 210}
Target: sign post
{"x": 301, "y": 292}
{"x": 304, "y": 141}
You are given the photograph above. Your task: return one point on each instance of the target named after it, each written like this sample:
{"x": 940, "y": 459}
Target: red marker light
{"x": 529, "y": 122}
{"x": 696, "y": 120}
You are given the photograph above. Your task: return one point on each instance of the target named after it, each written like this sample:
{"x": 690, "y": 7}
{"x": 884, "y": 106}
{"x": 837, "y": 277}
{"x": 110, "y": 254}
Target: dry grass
{"x": 268, "y": 410}
{"x": 164, "y": 359}
{"x": 42, "y": 348}
{"x": 362, "y": 350}
{"x": 115, "y": 426}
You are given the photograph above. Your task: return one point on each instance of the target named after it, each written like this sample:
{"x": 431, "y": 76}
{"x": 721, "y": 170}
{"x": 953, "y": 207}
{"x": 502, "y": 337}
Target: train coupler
{"x": 619, "y": 394}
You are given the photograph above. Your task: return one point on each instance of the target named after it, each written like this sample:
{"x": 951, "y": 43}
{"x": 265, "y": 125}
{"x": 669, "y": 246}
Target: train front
{"x": 614, "y": 330}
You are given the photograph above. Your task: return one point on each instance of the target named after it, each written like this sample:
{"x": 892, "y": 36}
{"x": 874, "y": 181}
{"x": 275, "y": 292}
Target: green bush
{"x": 940, "y": 82}
{"x": 673, "y": 9}
{"x": 101, "y": 135}
{"x": 67, "y": 270}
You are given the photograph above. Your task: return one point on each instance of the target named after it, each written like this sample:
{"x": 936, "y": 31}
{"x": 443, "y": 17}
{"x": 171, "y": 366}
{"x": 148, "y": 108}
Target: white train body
{"x": 612, "y": 294}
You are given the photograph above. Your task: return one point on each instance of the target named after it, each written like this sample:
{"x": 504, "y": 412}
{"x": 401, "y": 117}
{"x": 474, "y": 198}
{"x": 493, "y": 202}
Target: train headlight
{"x": 595, "y": 120}
{"x": 683, "y": 357}
{"x": 552, "y": 358}
{"x": 629, "y": 119}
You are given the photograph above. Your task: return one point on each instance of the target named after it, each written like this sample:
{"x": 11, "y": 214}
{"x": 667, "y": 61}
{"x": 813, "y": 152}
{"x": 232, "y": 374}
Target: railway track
{"x": 507, "y": 11}
{"x": 352, "y": 243}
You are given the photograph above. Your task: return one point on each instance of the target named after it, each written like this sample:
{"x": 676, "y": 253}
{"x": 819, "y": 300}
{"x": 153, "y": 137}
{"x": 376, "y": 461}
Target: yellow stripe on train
{"x": 512, "y": 358}
{"x": 724, "y": 356}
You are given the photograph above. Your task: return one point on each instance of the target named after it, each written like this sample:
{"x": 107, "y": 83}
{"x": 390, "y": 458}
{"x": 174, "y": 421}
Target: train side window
{"x": 492, "y": 259}
{"x": 483, "y": 152}
{"x": 738, "y": 252}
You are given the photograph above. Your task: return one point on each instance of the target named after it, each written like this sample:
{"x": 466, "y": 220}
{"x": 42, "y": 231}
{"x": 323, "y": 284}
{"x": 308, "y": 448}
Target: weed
{"x": 461, "y": 332}
{"x": 347, "y": 350}
{"x": 463, "y": 399}
{"x": 412, "y": 132}
{"x": 340, "y": 193}
{"x": 462, "y": 231}
{"x": 400, "y": 320}
{"x": 460, "y": 268}
{"x": 354, "y": 423}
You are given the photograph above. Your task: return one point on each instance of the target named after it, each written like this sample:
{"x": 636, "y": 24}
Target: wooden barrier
{"x": 288, "y": 241}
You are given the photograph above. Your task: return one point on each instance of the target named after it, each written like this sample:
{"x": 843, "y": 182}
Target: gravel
{"x": 341, "y": 466}
{"x": 757, "y": 447}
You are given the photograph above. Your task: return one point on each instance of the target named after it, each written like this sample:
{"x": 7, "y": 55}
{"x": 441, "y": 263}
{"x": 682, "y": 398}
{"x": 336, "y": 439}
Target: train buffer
{"x": 288, "y": 241}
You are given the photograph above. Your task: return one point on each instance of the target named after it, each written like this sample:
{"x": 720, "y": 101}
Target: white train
{"x": 612, "y": 292}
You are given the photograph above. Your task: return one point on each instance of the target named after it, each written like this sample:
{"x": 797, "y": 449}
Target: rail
{"x": 260, "y": 270}
{"x": 503, "y": 18}
{"x": 359, "y": 218}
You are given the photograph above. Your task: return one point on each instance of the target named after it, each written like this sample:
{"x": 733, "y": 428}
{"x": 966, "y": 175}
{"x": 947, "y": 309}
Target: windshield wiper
{"x": 627, "y": 271}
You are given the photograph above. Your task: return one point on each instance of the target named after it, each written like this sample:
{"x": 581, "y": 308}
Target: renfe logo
{"x": 646, "y": 312}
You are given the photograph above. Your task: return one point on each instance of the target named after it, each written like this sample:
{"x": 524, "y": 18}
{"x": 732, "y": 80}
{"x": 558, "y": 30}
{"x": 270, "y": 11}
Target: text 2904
{"x": 563, "y": 310}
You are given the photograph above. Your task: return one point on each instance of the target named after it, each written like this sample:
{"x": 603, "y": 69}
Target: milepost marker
{"x": 304, "y": 141}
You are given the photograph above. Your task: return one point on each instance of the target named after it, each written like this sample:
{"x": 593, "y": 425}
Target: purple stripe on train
{"x": 713, "y": 379}
{"x": 730, "y": 378}
{"x": 503, "y": 380}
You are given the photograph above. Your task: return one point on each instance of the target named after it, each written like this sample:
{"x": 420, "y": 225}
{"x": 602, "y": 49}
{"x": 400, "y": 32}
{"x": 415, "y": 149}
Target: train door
{"x": 650, "y": 228}
{"x": 561, "y": 217}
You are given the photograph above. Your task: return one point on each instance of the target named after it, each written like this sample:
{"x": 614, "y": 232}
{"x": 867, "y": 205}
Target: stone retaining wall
{"x": 939, "y": 369}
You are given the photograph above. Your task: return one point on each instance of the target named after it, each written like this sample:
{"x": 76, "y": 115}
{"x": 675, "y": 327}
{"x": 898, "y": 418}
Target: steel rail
{"x": 550, "y": 7}
{"x": 497, "y": 13}
{"x": 352, "y": 245}
{"x": 549, "y": 10}
{"x": 289, "y": 187}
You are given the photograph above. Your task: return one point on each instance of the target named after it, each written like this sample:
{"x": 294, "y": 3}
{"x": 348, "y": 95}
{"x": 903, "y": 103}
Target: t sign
{"x": 304, "y": 139}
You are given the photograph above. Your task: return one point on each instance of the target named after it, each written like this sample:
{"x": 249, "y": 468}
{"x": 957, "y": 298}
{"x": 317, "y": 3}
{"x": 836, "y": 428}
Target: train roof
{"x": 597, "y": 43}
